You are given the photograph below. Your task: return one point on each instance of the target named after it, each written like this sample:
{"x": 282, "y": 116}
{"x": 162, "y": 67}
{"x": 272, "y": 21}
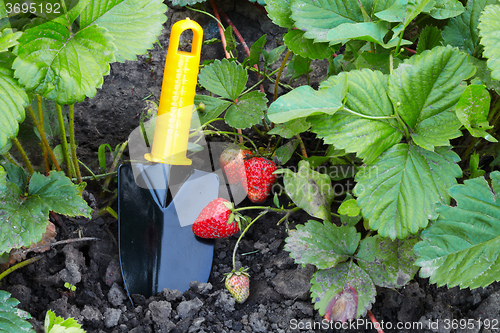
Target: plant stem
{"x": 302, "y": 146}
{"x": 115, "y": 164}
{"x": 207, "y": 132}
{"x": 204, "y": 12}
{"x": 253, "y": 87}
{"x": 267, "y": 209}
{"x": 495, "y": 108}
{"x": 72, "y": 142}
{"x": 19, "y": 265}
{"x": 64, "y": 143}
{"x": 262, "y": 135}
{"x": 375, "y": 322}
{"x": 397, "y": 51}
{"x": 469, "y": 149}
{"x": 264, "y": 212}
{"x": 25, "y": 158}
{"x": 243, "y": 233}
{"x": 221, "y": 29}
{"x": 41, "y": 128}
{"x": 96, "y": 177}
{"x": 44, "y": 139}
{"x": 11, "y": 159}
{"x": 108, "y": 210}
{"x": 242, "y": 41}
{"x": 278, "y": 76}
{"x": 402, "y": 123}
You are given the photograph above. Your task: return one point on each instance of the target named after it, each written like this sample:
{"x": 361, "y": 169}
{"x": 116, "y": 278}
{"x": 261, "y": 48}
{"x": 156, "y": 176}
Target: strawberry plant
{"x": 49, "y": 61}
{"x": 409, "y": 107}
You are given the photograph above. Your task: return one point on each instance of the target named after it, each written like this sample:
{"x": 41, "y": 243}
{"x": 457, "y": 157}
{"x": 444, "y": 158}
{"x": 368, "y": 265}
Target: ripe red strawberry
{"x": 232, "y": 163}
{"x": 213, "y": 221}
{"x": 260, "y": 178}
{"x": 238, "y": 284}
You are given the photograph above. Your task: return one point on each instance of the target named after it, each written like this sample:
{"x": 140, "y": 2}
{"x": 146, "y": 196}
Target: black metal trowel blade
{"x": 156, "y": 252}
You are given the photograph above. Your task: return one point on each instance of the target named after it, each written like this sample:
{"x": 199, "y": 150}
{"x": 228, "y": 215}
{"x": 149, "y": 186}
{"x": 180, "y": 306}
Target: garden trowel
{"x": 160, "y": 194}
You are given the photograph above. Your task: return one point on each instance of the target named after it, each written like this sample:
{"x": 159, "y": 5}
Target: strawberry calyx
{"x": 241, "y": 271}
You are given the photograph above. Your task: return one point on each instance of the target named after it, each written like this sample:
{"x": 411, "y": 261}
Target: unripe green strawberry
{"x": 238, "y": 284}
{"x": 213, "y": 220}
{"x": 260, "y": 178}
{"x": 232, "y": 163}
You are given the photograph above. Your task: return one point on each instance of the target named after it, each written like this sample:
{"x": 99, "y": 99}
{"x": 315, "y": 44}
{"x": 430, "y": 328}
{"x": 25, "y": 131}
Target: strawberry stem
{"x": 264, "y": 211}
{"x": 375, "y": 322}
{"x": 243, "y": 233}
{"x": 208, "y": 132}
{"x": 268, "y": 209}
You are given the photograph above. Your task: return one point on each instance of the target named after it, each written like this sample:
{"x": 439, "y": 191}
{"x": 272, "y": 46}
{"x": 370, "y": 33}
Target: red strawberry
{"x": 238, "y": 284}
{"x": 232, "y": 163}
{"x": 213, "y": 221}
{"x": 260, "y": 178}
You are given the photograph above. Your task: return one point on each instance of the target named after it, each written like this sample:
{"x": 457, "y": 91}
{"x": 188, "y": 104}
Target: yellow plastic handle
{"x": 177, "y": 97}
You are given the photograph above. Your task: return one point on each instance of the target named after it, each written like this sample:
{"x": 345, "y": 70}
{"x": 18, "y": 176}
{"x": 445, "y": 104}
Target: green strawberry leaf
{"x": 213, "y": 107}
{"x": 8, "y": 39}
{"x": 309, "y": 189}
{"x": 13, "y": 319}
{"x": 67, "y": 19}
{"x": 61, "y": 65}
{"x": 280, "y": 13}
{"x": 429, "y": 38}
{"x": 224, "y": 78}
{"x": 272, "y": 56}
{"x": 472, "y": 110}
{"x": 444, "y": 9}
{"x": 3, "y": 10}
{"x": 390, "y": 263}
{"x": 490, "y": 37}
{"x": 425, "y": 90}
{"x": 461, "y": 247}
{"x": 15, "y": 174}
{"x": 285, "y": 152}
{"x": 13, "y": 100}
{"x": 349, "y": 208}
{"x": 403, "y": 11}
{"x": 59, "y": 194}
{"x": 305, "y": 101}
{"x": 255, "y": 51}
{"x": 365, "y": 134}
{"x": 56, "y": 324}
{"x": 483, "y": 73}
{"x": 398, "y": 192}
{"x": 462, "y": 31}
{"x": 307, "y": 48}
{"x": 323, "y": 245}
{"x": 317, "y": 17}
{"x": 343, "y": 292}
{"x": 133, "y": 24}
{"x": 290, "y": 128}
{"x": 298, "y": 66}
{"x": 24, "y": 217}
{"x": 367, "y": 31}
{"x": 248, "y": 111}
{"x": 474, "y": 168}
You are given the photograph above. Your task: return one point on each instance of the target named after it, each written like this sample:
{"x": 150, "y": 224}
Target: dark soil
{"x": 279, "y": 300}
